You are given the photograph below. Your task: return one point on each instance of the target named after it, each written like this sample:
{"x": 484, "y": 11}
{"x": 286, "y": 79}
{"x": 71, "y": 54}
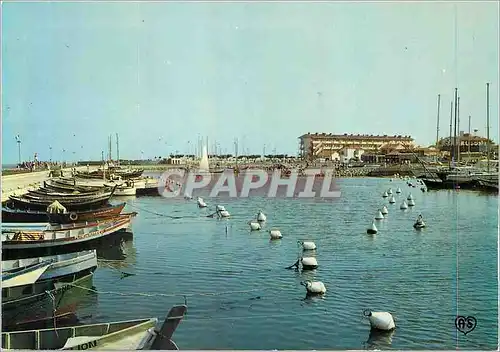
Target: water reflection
{"x": 379, "y": 339}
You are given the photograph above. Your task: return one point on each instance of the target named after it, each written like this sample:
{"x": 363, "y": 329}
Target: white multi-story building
{"x": 348, "y": 146}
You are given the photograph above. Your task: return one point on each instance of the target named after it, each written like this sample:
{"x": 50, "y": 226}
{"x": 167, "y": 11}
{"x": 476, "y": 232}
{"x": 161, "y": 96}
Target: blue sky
{"x": 160, "y": 74}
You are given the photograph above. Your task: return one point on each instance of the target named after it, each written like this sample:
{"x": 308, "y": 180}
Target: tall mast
{"x": 451, "y": 123}
{"x": 455, "y": 126}
{"x": 488, "y": 125}
{"x": 437, "y": 125}
{"x": 117, "y": 150}
{"x": 459, "y": 137}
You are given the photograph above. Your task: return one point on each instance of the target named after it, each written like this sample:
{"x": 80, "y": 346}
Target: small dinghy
{"x": 379, "y": 216}
{"x": 254, "y": 226}
{"x": 411, "y": 203}
{"x": 380, "y": 320}
{"x": 261, "y": 216}
{"x": 307, "y": 245}
{"x": 314, "y": 287}
{"x": 201, "y": 203}
{"x": 385, "y": 195}
{"x": 275, "y": 234}
{"x": 419, "y": 223}
{"x": 220, "y": 208}
{"x": 392, "y": 200}
{"x": 398, "y": 191}
{"x": 404, "y": 205}
{"x": 384, "y": 210}
{"x": 372, "y": 229}
{"x": 123, "y": 335}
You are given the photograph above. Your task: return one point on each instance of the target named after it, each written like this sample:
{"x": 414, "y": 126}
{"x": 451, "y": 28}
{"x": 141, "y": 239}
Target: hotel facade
{"x": 342, "y": 147}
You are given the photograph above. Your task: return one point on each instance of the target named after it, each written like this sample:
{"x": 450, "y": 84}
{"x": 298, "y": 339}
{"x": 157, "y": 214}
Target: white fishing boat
{"x": 58, "y": 265}
{"x": 24, "y": 276}
{"x": 138, "y": 334}
{"x": 64, "y": 234}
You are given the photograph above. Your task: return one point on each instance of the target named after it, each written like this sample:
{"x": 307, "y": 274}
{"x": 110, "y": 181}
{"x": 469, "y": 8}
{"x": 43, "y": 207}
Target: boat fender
{"x": 73, "y": 216}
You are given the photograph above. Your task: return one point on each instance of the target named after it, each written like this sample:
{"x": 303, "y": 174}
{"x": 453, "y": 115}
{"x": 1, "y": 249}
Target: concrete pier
{"x": 22, "y": 183}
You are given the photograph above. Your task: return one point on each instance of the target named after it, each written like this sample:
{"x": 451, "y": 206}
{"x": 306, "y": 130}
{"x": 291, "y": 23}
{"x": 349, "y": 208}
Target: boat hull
{"x": 62, "y": 265}
{"x": 40, "y": 239}
{"x": 27, "y": 216}
{"x": 40, "y": 306}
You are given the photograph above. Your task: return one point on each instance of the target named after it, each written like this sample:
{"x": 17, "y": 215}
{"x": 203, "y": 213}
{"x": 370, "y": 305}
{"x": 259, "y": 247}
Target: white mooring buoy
{"x": 404, "y": 205}
{"x": 389, "y": 191}
{"x": 309, "y": 263}
{"x": 224, "y": 214}
{"x": 380, "y": 320}
{"x": 314, "y": 287}
{"x": 384, "y": 210}
{"x": 411, "y": 203}
{"x": 379, "y": 216}
{"x": 419, "y": 223}
{"x": 398, "y": 190}
{"x": 385, "y": 195}
{"x": 392, "y": 200}
{"x": 275, "y": 234}
{"x": 410, "y": 197}
{"x": 372, "y": 229}
{"x": 201, "y": 203}
{"x": 261, "y": 216}
{"x": 254, "y": 226}
{"x": 307, "y": 245}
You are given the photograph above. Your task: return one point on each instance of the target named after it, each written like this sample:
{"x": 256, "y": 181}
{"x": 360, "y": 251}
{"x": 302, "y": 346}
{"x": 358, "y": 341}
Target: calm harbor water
{"x": 240, "y": 296}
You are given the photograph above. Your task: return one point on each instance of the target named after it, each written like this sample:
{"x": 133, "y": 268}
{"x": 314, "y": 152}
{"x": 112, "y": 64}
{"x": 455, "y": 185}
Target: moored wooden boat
{"x": 64, "y": 234}
{"x": 24, "y": 276}
{"x": 28, "y": 216}
{"x": 123, "y": 335}
{"x": 42, "y": 203}
{"x": 57, "y": 265}
{"x": 43, "y": 300}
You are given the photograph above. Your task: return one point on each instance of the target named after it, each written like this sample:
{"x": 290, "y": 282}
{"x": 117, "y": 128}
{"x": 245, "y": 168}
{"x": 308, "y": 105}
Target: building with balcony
{"x": 349, "y": 146}
{"x": 472, "y": 147}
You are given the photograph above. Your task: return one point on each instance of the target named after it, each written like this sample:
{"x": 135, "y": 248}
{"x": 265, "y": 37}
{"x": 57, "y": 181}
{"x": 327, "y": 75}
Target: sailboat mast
{"x": 455, "y": 127}
{"x": 110, "y": 147}
{"x": 437, "y": 125}
{"x": 451, "y": 123}
{"x": 459, "y": 136}
{"x": 488, "y": 125}
{"x": 117, "y": 149}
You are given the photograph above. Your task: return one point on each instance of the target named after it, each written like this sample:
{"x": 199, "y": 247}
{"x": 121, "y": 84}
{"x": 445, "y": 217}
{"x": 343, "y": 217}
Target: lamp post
{"x": 18, "y": 140}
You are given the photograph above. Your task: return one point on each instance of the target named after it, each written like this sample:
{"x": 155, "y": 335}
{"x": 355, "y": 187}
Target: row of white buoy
{"x": 256, "y": 225}
{"x": 381, "y": 213}
{"x": 306, "y": 262}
